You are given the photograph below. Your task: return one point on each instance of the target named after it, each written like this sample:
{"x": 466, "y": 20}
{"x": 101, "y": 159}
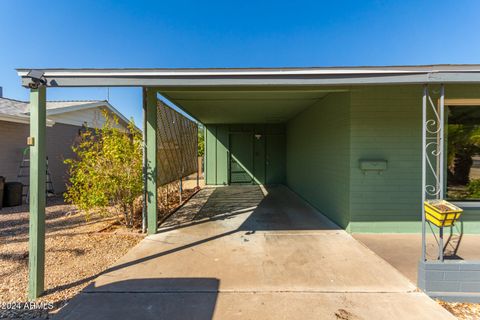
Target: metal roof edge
{"x": 268, "y": 76}
{"x": 418, "y": 67}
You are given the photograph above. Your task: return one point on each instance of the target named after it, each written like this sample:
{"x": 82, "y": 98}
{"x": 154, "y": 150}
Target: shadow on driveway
{"x": 170, "y": 298}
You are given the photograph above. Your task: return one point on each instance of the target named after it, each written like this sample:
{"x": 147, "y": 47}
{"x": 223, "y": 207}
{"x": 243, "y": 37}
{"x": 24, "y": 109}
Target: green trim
{"x": 36, "y": 261}
{"x": 470, "y": 227}
{"x": 151, "y": 137}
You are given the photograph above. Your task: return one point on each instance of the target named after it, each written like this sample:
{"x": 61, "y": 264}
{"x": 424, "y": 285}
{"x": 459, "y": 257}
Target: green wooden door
{"x": 259, "y": 159}
{"x": 275, "y": 159}
{"x": 241, "y": 158}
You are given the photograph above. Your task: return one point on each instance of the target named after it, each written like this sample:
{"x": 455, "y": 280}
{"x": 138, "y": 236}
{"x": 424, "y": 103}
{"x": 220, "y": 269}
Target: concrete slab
{"x": 265, "y": 306}
{"x": 403, "y": 251}
{"x": 233, "y": 253}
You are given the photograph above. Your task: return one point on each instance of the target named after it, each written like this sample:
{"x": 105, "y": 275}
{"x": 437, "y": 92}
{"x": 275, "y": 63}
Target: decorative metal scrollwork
{"x": 433, "y": 133}
{"x": 432, "y": 127}
{"x": 432, "y": 153}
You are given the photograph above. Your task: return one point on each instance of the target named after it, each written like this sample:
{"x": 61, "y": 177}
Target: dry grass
{"x": 76, "y": 252}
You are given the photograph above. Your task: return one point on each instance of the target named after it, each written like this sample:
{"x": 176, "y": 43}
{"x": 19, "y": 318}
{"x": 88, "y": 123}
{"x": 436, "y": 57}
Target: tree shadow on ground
{"x": 209, "y": 203}
{"x": 57, "y": 217}
{"x": 278, "y": 210}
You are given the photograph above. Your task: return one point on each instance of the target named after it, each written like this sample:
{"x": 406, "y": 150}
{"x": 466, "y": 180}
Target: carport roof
{"x": 258, "y": 76}
{"x": 244, "y": 105}
{"x": 253, "y": 95}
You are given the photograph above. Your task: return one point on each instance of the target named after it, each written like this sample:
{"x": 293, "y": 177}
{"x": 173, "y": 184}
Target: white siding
{"x": 93, "y": 117}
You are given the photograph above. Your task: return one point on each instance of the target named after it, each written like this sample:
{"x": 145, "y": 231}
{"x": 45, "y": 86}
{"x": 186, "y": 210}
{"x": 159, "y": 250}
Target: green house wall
{"x": 318, "y": 159}
{"x": 216, "y": 154}
{"x": 324, "y": 146}
{"x": 326, "y": 142}
{"x": 267, "y": 165}
{"x": 386, "y": 125}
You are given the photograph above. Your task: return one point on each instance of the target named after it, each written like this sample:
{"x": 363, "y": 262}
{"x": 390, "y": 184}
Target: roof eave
{"x": 142, "y": 81}
{"x": 21, "y": 119}
{"x": 98, "y": 104}
{"x": 60, "y": 110}
{"x": 247, "y": 77}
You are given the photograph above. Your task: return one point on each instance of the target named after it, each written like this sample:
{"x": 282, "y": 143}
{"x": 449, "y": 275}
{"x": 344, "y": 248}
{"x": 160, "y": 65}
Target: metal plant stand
{"x": 433, "y": 184}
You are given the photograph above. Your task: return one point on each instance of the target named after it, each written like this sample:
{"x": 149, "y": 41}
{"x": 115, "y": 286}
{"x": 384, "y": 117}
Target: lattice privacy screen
{"x": 176, "y": 145}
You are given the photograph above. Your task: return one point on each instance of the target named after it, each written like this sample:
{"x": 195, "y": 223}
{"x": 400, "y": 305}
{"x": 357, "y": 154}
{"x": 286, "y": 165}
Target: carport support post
{"x": 151, "y": 137}
{"x": 144, "y": 162}
{"x": 36, "y": 257}
{"x": 424, "y": 168}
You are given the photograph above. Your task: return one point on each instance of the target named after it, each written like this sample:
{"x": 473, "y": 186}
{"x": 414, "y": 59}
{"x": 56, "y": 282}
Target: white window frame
{"x": 463, "y": 103}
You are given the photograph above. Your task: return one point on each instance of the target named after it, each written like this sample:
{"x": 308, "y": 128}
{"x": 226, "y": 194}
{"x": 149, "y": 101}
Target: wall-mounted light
{"x": 258, "y": 136}
{"x": 37, "y": 78}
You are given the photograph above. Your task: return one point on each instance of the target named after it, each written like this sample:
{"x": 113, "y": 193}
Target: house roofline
{"x": 21, "y": 119}
{"x": 82, "y": 105}
{"x": 154, "y": 77}
{"x": 85, "y": 106}
{"x": 312, "y": 69}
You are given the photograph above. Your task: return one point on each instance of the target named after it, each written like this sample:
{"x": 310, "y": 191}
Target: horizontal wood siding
{"x": 13, "y": 139}
{"x": 318, "y": 141}
{"x": 386, "y": 123}
{"x": 326, "y": 141}
{"x": 216, "y": 154}
{"x": 93, "y": 117}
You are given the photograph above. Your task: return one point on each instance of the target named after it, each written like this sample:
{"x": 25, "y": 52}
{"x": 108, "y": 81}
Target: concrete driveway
{"x": 401, "y": 250}
{"x": 232, "y": 253}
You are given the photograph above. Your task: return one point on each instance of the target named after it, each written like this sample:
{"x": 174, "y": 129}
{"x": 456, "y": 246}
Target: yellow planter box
{"x": 442, "y": 213}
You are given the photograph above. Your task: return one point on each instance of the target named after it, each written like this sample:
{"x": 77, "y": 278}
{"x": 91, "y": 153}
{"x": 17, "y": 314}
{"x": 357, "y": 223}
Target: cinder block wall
{"x": 450, "y": 280}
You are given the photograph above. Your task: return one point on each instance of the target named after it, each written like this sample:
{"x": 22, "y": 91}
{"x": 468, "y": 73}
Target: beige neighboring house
{"x": 65, "y": 119}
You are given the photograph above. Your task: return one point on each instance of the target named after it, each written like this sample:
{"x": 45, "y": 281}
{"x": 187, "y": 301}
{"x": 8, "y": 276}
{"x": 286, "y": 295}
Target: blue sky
{"x": 76, "y": 34}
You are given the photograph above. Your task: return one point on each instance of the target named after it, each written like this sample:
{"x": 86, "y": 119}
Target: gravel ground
{"x": 76, "y": 252}
{"x": 464, "y": 311}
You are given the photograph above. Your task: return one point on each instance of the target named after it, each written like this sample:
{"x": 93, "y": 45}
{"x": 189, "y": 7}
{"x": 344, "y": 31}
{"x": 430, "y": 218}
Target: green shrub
{"x": 474, "y": 188}
{"x": 201, "y": 141}
{"x": 107, "y": 170}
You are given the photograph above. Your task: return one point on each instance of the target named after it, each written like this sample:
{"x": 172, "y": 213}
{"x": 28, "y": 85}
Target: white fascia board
{"x": 166, "y": 72}
{"x": 76, "y": 107}
{"x": 10, "y": 118}
{"x": 21, "y": 119}
{"x": 333, "y": 76}
{"x": 118, "y": 113}
{"x": 147, "y": 73}
{"x": 86, "y": 106}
